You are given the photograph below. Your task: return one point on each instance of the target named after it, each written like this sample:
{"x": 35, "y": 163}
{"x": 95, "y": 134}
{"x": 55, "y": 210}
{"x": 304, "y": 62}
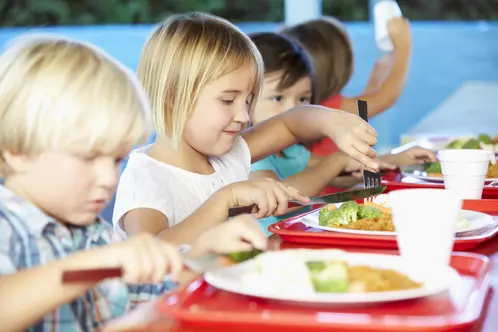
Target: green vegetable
{"x": 329, "y": 277}
{"x": 483, "y": 138}
{"x": 369, "y": 212}
{"x": 433, "y": 168}
{"x": 243, "y": 256}
{"x": 456, "y": 144}
{"x": 343, "y": 215}
{"x": 472, "y": 144}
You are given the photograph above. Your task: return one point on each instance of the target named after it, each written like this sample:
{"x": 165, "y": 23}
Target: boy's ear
{"x": 18, "y": 163}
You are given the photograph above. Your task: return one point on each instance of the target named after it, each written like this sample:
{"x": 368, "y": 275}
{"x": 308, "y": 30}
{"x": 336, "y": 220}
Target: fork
{"x": 370, "y": 179}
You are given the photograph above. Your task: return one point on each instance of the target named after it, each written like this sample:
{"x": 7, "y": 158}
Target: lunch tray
{"x": 202, "y": 306}
{"x": 392, "y": 181}
{"x": 295, "y": 231}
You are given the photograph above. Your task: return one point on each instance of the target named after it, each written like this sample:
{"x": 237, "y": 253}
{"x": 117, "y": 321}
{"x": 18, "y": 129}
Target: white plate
{"x": 420, "y": 175}
{"x": 476, "y": 220}
{"x": 234, "y": 279}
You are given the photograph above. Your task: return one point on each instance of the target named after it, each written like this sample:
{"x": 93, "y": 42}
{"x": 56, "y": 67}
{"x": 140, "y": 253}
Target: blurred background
{"x": 453, "y": 80}
{"x": 455, "y": 44}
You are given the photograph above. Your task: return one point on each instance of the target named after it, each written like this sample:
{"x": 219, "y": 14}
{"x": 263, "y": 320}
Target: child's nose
{"x": 107, "y": 176}
{"x": 242, "y": 116}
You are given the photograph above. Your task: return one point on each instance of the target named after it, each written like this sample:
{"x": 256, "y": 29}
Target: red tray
{"x": 392, "y": 181}
{"x": 200, "y": 305}
{"x": 294, "y": 231}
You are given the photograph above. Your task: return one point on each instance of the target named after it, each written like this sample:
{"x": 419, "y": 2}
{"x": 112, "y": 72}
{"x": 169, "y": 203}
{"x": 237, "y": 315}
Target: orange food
{"x": 377, "y": 206}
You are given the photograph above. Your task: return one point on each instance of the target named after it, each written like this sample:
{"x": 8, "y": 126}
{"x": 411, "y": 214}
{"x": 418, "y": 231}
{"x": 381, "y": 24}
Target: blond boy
{"x": 68, "y": 115}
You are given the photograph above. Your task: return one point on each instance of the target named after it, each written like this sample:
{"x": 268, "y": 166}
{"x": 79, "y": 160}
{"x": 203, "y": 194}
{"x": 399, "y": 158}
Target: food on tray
{"x": 370, "y": 216}
{"x": 242, "y": 256}
{"x": 472, "y": 143}
{"x": 289, "y": 272}
{"x": 434, "y": 170}
{"x": 351, "y": 215}
{"x": 340, "y": 277}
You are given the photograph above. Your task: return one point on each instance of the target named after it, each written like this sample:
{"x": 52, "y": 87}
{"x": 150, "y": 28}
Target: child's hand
{"x": 144, "y": 259}
{"x": 352, "y": 135}
{"x": 269, "y": 196}
{"x": 399, "y": 31}
{"x": 357, "y": 169}
{"x": 241, "y": 233}
{"x": 413, "y": 156}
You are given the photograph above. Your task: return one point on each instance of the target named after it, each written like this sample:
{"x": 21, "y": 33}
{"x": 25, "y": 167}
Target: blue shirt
{"x": 30, "y": 238}
{"x": 294, "y": 160}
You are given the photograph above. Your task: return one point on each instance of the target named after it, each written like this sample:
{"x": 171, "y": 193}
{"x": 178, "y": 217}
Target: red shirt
{"x": 326, "y": 146}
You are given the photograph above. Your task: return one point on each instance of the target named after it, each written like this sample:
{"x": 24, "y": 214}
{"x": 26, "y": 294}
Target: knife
{"x": 351, "y": 195}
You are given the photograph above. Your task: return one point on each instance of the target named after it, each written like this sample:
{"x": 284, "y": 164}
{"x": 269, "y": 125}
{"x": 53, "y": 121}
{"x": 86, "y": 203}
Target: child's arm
{"x": 270, "y": 198}
{"x": 386, "y": 93}
{"x": 319, "y": 173}
{"x": 311, "y": 123}
{"x": 28, "y": 295}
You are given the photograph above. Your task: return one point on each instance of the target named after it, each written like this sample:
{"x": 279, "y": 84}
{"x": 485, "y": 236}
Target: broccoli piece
{"x": 345, "y": 214}
{"x": 324, "y": 216}
{"x": 329, "y": 277}
{"x": 334, "y": 217}
{"x": 483, "y": 138}
{"x": 243, "y": 256}
{"x": 369, "y": 212}
{"x": 471, "y": 144}
{"x": 433, "y": 168}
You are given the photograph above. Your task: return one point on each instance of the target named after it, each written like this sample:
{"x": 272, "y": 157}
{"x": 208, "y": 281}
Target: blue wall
{"x": 444, "y": 56}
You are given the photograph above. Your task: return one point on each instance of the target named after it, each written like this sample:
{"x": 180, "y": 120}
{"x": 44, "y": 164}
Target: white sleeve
{"x": 139, "y": 187}
{"x": 241, "y": 153}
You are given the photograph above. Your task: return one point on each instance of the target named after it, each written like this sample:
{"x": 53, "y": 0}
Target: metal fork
{"x": 370, "y": 179}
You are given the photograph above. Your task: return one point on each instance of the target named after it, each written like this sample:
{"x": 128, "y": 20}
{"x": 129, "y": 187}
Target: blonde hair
{"x": 56, "y": 91}
{"x": 182, "y": 56}
{"x": 328, "y": 44}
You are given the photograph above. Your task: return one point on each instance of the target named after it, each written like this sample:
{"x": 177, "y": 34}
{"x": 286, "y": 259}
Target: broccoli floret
{"x": 483, "y": 138}
{"x": 329, "y": 277}
{"x": 369, "y": 212}
{"x": 434, "y": 168}
{"x": 243, "y": 256}
{"x": 334, "y": 217}
{"x": 345, "y": 214}
{"x": 324, "y": 216}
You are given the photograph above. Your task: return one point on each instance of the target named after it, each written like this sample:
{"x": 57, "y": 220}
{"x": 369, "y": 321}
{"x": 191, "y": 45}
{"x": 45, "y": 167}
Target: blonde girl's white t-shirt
{"x": 175, "y": 192}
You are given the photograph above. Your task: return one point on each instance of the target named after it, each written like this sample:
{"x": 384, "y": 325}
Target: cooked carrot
{"x": 331, "y": 207}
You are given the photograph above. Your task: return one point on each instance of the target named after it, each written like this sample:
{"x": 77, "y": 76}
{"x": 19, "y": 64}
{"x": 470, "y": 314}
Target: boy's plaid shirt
{"x": 29, "y": 238}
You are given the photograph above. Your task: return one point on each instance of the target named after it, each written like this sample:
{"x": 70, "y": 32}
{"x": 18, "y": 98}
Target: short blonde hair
{"x": 328, "y": 44}
{"x": 182, "y": 56}
{"x": 56, "y": 91}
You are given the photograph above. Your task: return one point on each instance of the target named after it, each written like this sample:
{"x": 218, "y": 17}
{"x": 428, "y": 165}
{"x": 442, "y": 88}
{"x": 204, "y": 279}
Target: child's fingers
{"x": 173, "y": 259}
{"x": 256, "y": 237}
{"x": 158, "y": 261}
{"x": 282, "y": 199}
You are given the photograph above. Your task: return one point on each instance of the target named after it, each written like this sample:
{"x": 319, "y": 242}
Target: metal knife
{"x": 351, "y": 195}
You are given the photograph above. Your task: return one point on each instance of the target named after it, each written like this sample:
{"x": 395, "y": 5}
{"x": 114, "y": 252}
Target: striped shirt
{"x": 29, "y": 238}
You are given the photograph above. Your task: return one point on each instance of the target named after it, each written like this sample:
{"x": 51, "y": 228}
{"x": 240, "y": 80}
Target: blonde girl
{"x": 203, "y": 77}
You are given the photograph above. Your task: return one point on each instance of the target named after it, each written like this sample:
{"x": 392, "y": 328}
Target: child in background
{"x": 68, "y": 114}
{"x": 203, "y": 77}
{"x": 328, "y": 44}
{"x": 288, "y": 82}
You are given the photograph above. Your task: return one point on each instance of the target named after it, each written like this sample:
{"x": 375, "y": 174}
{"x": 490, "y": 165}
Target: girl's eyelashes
{"x": 227, "y": 102}
{"x": 305, "y": 100}
{"x": 276, "y": 98}
{"x": 249, "y": 99}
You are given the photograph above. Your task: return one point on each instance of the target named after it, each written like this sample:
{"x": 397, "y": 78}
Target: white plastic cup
{"x": 464, "y": 171}
{"x": 425, "y": 222}
{"x": 383, "y": 12}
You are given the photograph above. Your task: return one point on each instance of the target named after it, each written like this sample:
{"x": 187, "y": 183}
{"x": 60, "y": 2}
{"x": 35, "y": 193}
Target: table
{"x": 145, "y": 318}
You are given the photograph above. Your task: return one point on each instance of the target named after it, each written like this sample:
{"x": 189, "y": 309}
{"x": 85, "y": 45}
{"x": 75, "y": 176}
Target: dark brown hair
{"x": 280, "y": 53}
{"x": 329, "y": 46}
